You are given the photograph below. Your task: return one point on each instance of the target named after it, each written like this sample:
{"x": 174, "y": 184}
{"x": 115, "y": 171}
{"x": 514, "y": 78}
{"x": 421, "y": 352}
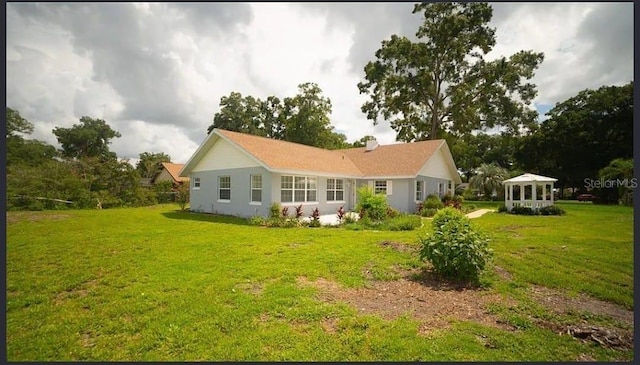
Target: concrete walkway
{"x": 479, "y": 213}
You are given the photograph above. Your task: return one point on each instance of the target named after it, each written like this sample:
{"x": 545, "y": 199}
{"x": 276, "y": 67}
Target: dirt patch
{"x": 397, "y": 246}
{"x": 15, "y": 217}
{"x": 432, "y": 302}
{"x": 251, "y": 288}
{"x": 503, "y": 274}
{"x": 603, "y": 336}
{"x": 79, "y": 291}
{"x": 329, "y": 325}
{"x": 558, "y": 302}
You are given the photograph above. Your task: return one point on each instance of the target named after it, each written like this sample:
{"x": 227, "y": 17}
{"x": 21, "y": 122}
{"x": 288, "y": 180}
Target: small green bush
{"x": 373, "y": 206}
{"x": 432, "y": 202}
{"x": 428, "y": 212}
{"x": 257, "y": 220}
{"x": 469, "y": 194}
{"x": 455, "y": 248}
{"x": 392, "y": 212}
{"x": 452, "y": 201}
{"x": 523, "y": 211}
{"x": 404, "y": 222}
{"x": 274, "y": 210}
{"x": 503, "y": 209}
{"x": 349, "y": 218}
{"x": 552, "y": 210}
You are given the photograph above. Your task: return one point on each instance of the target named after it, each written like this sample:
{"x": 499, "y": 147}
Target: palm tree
{"x": 488, "y": 178}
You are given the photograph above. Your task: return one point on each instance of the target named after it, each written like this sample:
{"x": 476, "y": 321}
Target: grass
{"x": 153, "y": 284}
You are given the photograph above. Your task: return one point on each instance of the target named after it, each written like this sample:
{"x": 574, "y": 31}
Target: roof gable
{"x": 174, "y": 171}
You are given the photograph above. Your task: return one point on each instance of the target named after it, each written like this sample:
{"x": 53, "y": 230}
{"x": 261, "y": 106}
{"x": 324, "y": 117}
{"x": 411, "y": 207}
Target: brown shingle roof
{"x": 403, "y": 159}
{"x": 174, "y": 169}
{"x": 283, "y": 155}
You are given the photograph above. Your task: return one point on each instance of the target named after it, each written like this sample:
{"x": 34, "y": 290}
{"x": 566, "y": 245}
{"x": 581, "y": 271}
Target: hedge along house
{"x": 240, "y": 174}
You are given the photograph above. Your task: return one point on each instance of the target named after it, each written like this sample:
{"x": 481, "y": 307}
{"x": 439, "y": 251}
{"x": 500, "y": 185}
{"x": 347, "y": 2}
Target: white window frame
{"x": 196, "y": 183}
{"x": 419, "y": 198}
{"x": 252, "y": 188}
{"x": 335, "y": 190}
{"x": 220, "y": 188}
{"x": 307, "y": 181}
{"x": 379, "y": 189}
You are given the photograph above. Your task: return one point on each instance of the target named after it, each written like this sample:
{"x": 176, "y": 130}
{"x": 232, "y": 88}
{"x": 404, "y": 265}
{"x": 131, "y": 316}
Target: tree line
{"x": 439, "y": 86}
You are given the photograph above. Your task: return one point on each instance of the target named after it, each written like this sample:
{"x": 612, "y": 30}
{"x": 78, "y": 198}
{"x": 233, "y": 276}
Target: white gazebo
{"x": 527, "y": 191}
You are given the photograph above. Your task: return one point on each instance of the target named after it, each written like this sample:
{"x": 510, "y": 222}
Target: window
{"x": 335, "y": 190}
{"x": 224, "y": 188}
{"x": 196, "y": 183}
{"x": 419, "y": 190}
{"x": 298, "y": 189}
{"x": 380, "y": 187}
{"x": 256, "y": 188}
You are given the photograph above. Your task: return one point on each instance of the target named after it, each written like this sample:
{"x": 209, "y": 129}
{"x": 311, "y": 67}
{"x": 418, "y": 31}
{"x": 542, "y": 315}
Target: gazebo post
{"x": 551, "y": 193}
{"x": 534, "y": 187}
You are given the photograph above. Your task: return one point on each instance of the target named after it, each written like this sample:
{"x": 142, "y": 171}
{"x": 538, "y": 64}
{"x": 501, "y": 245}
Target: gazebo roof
{"x": 529, "y": 178}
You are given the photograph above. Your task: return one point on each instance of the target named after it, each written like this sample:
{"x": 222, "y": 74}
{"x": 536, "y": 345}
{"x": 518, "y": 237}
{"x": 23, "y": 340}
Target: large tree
{"x": 303, "y": 118}
{"x": 581, "y": 136}
{"x": 17, "y": 124}
{"x": 90, "y": 138}
{"x": 443, "y": 83}
{"x": 148, "y": 165}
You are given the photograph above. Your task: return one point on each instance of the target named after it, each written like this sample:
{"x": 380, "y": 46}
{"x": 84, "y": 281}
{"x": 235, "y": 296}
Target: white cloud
{"x": 156, "y": 72}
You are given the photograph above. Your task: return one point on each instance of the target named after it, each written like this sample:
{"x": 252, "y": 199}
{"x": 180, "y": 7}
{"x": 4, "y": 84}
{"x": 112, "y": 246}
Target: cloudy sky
{"x": 156, "y": 72}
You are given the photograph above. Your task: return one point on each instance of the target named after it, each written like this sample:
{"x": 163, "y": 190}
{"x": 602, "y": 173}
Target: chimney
{"x": 371, "y": 144}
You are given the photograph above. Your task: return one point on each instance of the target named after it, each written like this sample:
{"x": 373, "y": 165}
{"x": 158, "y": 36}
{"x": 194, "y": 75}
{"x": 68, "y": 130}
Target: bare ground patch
{"x": 560, "y": 303}
{"x": 433, "y": 302}
{"x": 15, "y": 217}
{"x": 398, "y": 246}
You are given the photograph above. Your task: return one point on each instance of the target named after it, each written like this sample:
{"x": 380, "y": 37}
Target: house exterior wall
{"x": 224, "y": 155}
{"x": 163, "y": 176}
{"x": 205, "y": 199}
{"x": 324, "y": 206}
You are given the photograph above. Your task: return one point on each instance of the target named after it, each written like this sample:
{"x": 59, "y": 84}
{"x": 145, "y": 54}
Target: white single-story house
{"x": 240, "y": 174}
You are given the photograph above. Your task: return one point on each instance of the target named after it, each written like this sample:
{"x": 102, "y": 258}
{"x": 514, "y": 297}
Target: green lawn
{"x": 155, "y": 284}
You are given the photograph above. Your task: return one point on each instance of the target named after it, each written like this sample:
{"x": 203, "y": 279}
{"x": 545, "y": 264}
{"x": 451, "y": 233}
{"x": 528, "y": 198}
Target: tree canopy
{"x": 581, "y": 135}
{"x": 17, "y": 124}
{"x": 90, "y": 138}
{"x": 303, "y": 118}
{"x": 148, "y": 165}
{"x": 443, "y": 83}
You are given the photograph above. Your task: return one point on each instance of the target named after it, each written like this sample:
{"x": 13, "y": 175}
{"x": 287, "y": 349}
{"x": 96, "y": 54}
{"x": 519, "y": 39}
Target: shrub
{"x": 468, "y": 208}
{"x": 523, "y": 211}
{"x": 285, "y": 212}
{"x": 315, "y": 218}
{"x": 404, "y": 222}
{"x": 274, "y": 210}
{"x": 182, "y": 196}
{"x": 373, "y": 206}
{"x": 452, "y": 201}
{"x": 503, "y": 209}
{"x": 349, "y": 219}
{"x": 392, "y": 212}
{"x": 455, "y": 248}
{"x": 432, "y": 202}
{"x": 552, "y": 210}
{"x": 469, "y": 194}
{"x": 341, "y": 213}
{"x": 419, "y": 206}
{"x": 428, "y": 212}
{"x": 299, "y": 211}
{"x": 257, "y": 220}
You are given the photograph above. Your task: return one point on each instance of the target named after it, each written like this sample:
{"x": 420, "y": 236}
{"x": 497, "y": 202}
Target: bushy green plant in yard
{"x": 455, "y": 201}
{"x": 274, "y": 210}
{"x": 523, "y": 211}
{"x": 404, "y": 222}
{"x": 503, "y": 209}
{"x": 432, "y": 202}
{"x": 551, "y": 210}
{"x": 455, "y": 248}
{"x": 428, "y": 212}
{"x": 257, "y": 220}
{"x": 373, "y": 206}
